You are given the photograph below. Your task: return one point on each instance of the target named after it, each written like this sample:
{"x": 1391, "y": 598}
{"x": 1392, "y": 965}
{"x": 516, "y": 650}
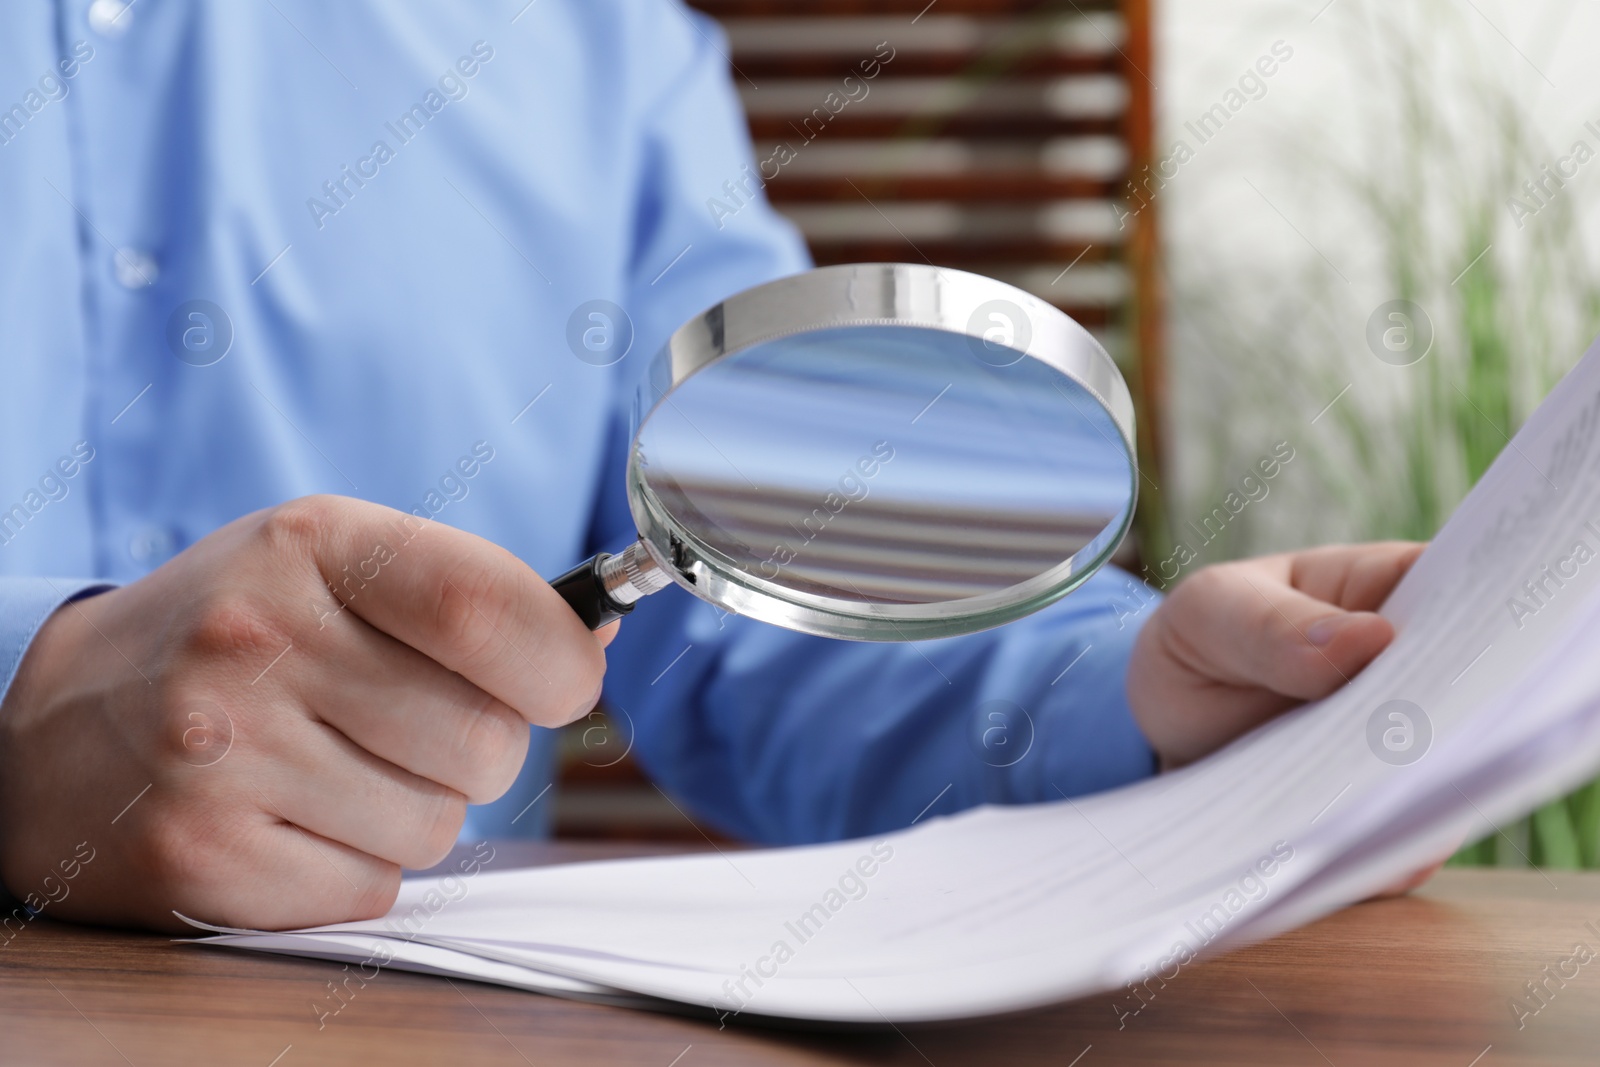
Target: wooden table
{"x": 1428, "y": 979}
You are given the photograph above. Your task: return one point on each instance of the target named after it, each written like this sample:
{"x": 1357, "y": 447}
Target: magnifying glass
{"x": 881, "y": 452}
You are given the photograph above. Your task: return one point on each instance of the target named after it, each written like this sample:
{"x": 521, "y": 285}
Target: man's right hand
{"x": 266, "y": 729}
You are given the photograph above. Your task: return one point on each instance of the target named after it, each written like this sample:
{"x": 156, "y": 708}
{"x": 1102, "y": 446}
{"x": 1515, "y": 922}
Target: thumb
{"x": 1249, "y": 627}
{"x": 1316, "y": 647}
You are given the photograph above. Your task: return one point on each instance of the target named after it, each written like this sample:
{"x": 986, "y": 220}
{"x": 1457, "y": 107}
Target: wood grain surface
{"x": 1428, "y": 979}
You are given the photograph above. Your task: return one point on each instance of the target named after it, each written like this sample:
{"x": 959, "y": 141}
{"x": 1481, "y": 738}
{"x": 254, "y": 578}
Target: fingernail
{"x": 1322, "y": 632}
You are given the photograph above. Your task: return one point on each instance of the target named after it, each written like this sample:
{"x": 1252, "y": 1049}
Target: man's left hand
{"x": 1238, "y": 643}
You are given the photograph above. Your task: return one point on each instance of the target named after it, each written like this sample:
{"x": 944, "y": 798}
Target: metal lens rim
{"x": 885, "y": 294}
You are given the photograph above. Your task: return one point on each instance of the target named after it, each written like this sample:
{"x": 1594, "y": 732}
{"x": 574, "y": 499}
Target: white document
{"x": 1000, "y": 909}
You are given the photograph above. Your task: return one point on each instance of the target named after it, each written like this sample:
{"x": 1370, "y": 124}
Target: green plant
{"x": 1511, "y": 302}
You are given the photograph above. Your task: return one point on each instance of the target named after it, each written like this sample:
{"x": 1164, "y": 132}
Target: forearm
{"x": 784, "y": 738}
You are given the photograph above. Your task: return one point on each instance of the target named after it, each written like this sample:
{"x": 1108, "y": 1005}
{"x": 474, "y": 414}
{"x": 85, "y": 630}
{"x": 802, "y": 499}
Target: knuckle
{"x": 191, "y": 725}
{"x": 489, "y": 632}
{"x": 490, "y": 750}
{"x": 469, "y": 616}
{"x": 441, "y": 825}
{"x": 229, "y": 624}
{"x": 293, "y": 527}
{"x": 1207, "y": 578}
{"x": 1271, "y": 632}
{"x": 180, "y": 849}
{"x": 376, "y": 897}
{"x": 1200, "y": 590}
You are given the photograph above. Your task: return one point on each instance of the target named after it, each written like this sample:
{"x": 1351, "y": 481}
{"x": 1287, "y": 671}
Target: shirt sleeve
{"x": 25, "y": 603}
{"x": 782, "y": 737}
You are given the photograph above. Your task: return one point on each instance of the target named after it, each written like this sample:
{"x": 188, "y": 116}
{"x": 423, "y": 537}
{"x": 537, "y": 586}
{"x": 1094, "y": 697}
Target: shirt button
{"x": 135, "y": 269}
{"x": 151, "y": 546}
{"x": 110, "y": 18}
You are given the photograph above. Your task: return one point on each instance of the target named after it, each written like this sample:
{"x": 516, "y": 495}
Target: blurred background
{"x": 1359, "y": 228}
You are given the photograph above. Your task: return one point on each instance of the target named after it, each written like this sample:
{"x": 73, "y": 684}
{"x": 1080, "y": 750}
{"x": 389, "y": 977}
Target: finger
{"x": 1241, "y": 625}
{"x": 404, "y": 708}
{"x": 1354, "y": 577}
{"x": 608, "y": 633}
{"x": 334, "y": 878}
{"x": 323, "y": 782}
{"x": 217, "y": 878}
{"x": 459, "y": 600}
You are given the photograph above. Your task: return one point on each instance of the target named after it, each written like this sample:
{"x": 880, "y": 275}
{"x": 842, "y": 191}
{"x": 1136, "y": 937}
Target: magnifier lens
{"x": 869, "y": 466}
{"x": 876, "y": 451}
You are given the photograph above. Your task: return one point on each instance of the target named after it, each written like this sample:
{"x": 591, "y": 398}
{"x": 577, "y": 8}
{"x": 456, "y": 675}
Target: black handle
{"x": 583, "y": 589}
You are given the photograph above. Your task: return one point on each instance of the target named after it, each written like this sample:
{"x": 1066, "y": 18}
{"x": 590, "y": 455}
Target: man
{"x": 284, "y": 303}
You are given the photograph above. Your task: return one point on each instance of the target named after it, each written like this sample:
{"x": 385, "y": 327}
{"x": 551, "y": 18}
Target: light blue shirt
{"x": 258, "y": 250}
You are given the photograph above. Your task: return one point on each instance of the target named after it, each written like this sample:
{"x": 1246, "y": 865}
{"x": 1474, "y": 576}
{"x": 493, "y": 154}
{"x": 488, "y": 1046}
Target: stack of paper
{"x": 1487, "y": 704}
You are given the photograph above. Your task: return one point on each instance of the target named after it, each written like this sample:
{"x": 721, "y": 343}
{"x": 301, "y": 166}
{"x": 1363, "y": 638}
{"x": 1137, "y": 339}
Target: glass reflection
{"x": 886, "y": 464}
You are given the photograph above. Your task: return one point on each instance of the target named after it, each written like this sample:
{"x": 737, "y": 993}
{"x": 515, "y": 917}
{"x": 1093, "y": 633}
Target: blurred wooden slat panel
{"x": 930, "y": 100}
{"x": 925, "y": 64}
{"x": 734, "y": 9}
{"x": 986, "y": 187}
{"x": 951, "y": 124}
{"x": 962, "y": 253}
{"x": 893, "y": 47}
